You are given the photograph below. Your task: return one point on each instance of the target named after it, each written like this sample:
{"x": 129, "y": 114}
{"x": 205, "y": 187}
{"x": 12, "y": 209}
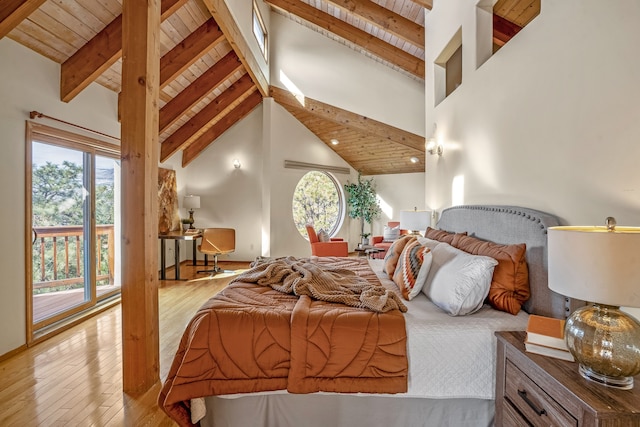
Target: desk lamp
{"x": 191, "y": 202}
{"x": 414, "y": 220}
{"x": 600, "y": 265}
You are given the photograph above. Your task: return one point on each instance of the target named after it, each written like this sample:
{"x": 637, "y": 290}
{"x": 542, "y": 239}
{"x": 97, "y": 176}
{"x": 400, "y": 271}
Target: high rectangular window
{"x": 260, "y": 31}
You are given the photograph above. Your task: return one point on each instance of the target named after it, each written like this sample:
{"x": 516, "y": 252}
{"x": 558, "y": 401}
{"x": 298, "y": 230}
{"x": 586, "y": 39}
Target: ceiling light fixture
{"x": 414, "y": 159}
{"x": 334, "y": 141}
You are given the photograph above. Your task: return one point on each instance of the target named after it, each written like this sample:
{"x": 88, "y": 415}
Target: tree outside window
{"x": 317, "y": 200}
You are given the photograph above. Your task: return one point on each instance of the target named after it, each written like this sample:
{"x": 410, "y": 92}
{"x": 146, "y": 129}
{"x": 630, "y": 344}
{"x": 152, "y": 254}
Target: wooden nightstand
{"x": 535, "y": 390}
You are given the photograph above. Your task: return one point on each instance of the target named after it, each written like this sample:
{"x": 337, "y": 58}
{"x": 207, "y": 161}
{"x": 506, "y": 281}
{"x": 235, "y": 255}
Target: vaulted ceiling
{"x": 209, "y": 79}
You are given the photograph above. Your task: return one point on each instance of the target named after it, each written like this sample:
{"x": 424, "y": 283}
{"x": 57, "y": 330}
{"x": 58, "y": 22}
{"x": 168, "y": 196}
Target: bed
{"x": 450, "y": 360}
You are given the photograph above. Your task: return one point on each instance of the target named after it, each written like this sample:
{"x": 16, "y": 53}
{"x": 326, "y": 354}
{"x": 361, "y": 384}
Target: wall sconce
{"x": 433, "y": 147}
{"x": 236, "y": 163}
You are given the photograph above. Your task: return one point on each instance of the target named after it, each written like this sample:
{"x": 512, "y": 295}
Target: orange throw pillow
{"x": 510, "y": 284}
{"x": 393, "y": 255}
{"x": 441, "y": 235}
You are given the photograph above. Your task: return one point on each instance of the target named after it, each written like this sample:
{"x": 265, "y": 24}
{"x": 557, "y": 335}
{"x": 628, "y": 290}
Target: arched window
{"x": 318, "y": 200}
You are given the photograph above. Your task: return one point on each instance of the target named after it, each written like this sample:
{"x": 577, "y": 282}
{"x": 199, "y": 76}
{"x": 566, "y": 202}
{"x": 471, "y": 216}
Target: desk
{"x": 175, "y": 236}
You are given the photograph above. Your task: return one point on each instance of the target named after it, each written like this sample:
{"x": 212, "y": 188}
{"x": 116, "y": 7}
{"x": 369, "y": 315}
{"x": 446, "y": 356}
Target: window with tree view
{"x": 318, "y": 200}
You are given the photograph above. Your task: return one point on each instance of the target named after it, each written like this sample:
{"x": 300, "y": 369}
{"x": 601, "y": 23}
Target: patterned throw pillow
{"x": 323, "y": 236}
{"x": 393, "y": 255}
{"x": 414, "y": 256}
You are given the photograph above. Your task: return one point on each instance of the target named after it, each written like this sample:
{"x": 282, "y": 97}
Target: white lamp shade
{"x": 191, "y": 202}
{"x": 414, "y": 220}
{"x": 596, "y": 264}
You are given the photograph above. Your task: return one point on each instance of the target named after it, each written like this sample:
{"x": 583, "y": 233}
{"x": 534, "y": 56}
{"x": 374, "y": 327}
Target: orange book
{"x": 546, "y": 331}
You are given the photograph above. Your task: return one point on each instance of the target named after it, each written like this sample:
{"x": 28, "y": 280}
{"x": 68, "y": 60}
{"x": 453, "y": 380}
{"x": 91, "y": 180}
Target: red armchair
{"x": 377, "y": 241}
{"x": 335, "y": 247}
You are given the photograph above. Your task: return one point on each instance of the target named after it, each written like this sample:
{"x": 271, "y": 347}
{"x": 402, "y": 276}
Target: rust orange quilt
{"x": 251, "y": 338}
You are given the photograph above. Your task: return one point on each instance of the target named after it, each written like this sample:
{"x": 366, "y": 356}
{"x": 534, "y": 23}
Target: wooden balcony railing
{"x": 65, "y": 242}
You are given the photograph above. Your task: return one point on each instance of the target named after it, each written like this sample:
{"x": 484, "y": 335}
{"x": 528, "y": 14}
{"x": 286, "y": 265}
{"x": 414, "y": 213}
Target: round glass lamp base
{"x": 606, "y": 343}
{"x": 623, "y": 383}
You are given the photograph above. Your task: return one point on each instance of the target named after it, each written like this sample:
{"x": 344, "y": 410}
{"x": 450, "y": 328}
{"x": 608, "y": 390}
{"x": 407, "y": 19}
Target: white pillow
{"x": 430, "y": 243}
{"x": 458, "y": 282}
{"x": 323, "y": 236}
{"x": 390, "y": 234}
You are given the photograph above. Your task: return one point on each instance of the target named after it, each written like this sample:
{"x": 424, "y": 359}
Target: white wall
{"x": 397, "y": 192}
{"x": 288, "y": 139}
{"x": 30, "y": 82}
{"x": 229, "y": 197}
{"x": 551, "y": 121}
{"x": 328, "y": 71}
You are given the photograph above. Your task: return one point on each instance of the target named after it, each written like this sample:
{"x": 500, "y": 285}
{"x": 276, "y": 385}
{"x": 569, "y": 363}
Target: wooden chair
{"x": 335, "y": 247}
{"x": 217, "y": 241}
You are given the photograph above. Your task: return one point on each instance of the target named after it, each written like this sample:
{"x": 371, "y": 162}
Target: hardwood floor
{"x": 75, "y": 378}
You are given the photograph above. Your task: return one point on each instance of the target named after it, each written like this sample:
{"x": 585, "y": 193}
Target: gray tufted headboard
{"x": 509, "y": 225}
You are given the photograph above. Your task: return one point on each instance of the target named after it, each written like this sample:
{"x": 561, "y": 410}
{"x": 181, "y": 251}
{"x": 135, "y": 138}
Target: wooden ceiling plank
{"x": 98, "y": 54}
{"x": 385, "y": 19}
{"x": 13, "y": 12}
{"x": 49, "y": 39}
{"x": 37, "y": 45}
{"x": 180, "y": 137}
{"x": 64, "y": 31}
{"x": 223, "y": 17}
{"x": 427, "y": 4}
{"x": 374, "y": 45}
{"x": 237, "y": 114}
{"x": 185, "y": 53}
{"x": 350, "y": 119}
{"x": 503, "y": 30}
{"x": 198, "y": 90}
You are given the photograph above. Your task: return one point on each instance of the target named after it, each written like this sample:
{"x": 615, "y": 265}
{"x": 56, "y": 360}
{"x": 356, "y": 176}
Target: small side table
{"x": 367, "y": 250}
{"x": 535, "y": 390}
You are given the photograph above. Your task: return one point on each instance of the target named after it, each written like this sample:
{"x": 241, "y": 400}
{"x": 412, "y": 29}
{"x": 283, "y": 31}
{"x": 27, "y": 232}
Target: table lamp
{"x": 191, "y": 202}
{"x": 414, "y": 220}
{"x": 601, "y": 265}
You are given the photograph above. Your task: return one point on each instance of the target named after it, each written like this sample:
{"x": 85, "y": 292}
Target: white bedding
{"x": 451, "y": 356}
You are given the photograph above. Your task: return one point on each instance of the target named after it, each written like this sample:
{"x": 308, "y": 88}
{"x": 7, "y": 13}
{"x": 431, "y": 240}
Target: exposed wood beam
{"x": 385, "y": 19}
{"x": 13, "y": 12}
{"x": 98, "y": 54}
{"x": 189, "y": 50}
{"x": 348, "y": 32}
{"x": 503, "y": 30}
{"x": 139, "y": 153}
{"x": 199, "y": 89}
{"x": 349, "y": 119}
{"x": 180, "y": 138}
{"x": 427, "y": 4}
{"x": 223, "y": 17}
{"x": 237, "y": 114}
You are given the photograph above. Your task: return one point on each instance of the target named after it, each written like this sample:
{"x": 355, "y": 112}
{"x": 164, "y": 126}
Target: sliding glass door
{"x": 74, "y": 212}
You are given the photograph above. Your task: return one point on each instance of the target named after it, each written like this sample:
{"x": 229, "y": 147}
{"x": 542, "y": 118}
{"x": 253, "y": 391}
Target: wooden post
{"x": 140, "y": 154}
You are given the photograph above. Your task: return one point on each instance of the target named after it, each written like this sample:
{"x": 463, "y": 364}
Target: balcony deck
{"x": 45, "y": 305}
